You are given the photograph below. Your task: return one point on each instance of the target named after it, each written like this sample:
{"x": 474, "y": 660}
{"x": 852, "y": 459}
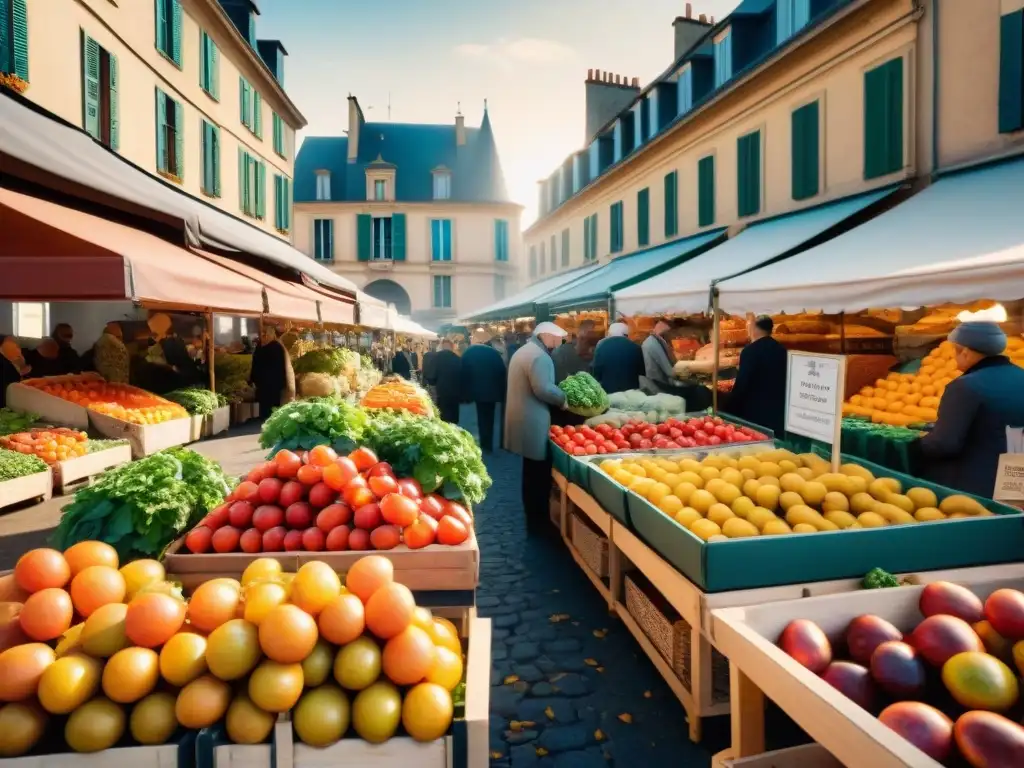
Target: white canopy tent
{"x": 686, "y": 288}
{"x": 374, "y": 313}
{"x": 410, "y": 327}
{"x": 959, "y": 240}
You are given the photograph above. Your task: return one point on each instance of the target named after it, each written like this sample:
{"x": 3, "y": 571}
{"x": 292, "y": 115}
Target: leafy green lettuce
{"x": 305, "y": 424}
{"x": 198, "y": 402}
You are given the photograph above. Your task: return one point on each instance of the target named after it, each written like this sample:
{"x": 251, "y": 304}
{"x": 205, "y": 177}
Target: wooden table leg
{"x": 700, "y": 676}
{"x": 614, "y": 573}
{"x": 747, "y": 705}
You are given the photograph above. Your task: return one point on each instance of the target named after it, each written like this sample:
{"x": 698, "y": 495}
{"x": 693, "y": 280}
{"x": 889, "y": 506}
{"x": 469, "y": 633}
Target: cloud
{"x": 522, "y": 50}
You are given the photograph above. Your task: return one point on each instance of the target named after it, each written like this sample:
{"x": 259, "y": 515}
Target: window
{"x": 1011, "y": 72}
{"x": 671, "y": 204}
{"x": 440, "y": 239}
{"x": 252, "y": 185}
{"x": 654, "y": 112}
{"x": 883, "y": 119}
{"x": 748, "y": 174}
{"x": 14, "y": 38}
{"x": 806, "y": 151}
{"x": 684, "y": 90}
{"x": 442, "y": 186}
{"x": 565, "y": 247}
{"x": 638, "y": 124}
{"x": 323, "y": 185}
{"x": 542, "y": 262}
{"x": 278, "y": 134}
{"x": 554, "y": 254}
{"x": 323, "y": 239}
{"x": 643, "y": 217}
{"x": 499, "y": 287}
{"x": 590, "y": 238}
{"x": 170, "y": 128}
{"x": 500, "y": 240}
{"x": 211, "y": 159}
{"x": 723, "y": 58}
{"x": 209, "y": 65}
{"x": 443, "y": 291}
{"x": 380, "y": 189}
{"x": 533, "y": 261}
{"x": 382, "y": 239}
{"x": 706, "y": 191}
{"x": 99, "y": 92}
{"x": 250, "y": 107}
{"x": 168, "y": 29}
{"x": 616, "y": 227}
{"x": 282, "y": 203}
{"x": 31, "y": 319}
{"x": 790, "y": 17}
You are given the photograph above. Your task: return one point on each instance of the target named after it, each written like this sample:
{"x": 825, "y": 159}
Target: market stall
{"x": 523, "y": 304}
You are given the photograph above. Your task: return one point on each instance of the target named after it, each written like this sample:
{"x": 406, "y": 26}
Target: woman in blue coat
{"x": 963, "y": 449}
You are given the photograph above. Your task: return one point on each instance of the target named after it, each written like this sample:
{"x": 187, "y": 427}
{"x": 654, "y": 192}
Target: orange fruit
{"x": 409, "y": 656}
{"x": 95, "y": 586}
{"x": 422, "y": 618}
{"x": 447, "y": 669}
{"x": 213, "y": 603}
{"x": 427, "y": 712}
{"x": 86, "y": 553}
{"x": 233, "y": 649}
{"x": 183, "y": 658}
{"x": 276, "y": 687}
{"x": 21, "y": 728}
{"x": 68, "y": 683}
{"x": 21, "y": 668}
{"x": 261, "y": 569}
{"x": 103, "y": 632}
{"x": 139, "y": 574}
{"x": 368, "y": 575}
{"x": 46, "y": 614}
{"x": 153, "y": 618}
{"x": 152, "y": 721}
{"x": 288, "y": 634}
{"x": 130, "y": 674}
{"x": 260, "y": 598}
{"x": 202, "y": 702}
{"x": 443, "y": 633}
{"x": 246, "y": 723}
{"x": 342, "y": 620}
{"x": 314, "y": 586}
{"x": 41, "y": 569}
{"x": 389, "y": 610}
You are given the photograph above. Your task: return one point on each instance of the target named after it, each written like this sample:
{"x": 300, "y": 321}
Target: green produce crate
{"x": 608, "y": 493}
{"x": 559, "y": 459}
{"x": 768, "y": 561}
{"x": 574, "y": 470}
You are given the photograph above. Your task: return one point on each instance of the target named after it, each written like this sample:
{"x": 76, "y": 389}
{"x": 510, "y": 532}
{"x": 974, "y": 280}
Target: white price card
{"x": 814, "y": 396}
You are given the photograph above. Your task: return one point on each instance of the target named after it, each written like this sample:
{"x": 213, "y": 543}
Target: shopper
{"x": 531, "y": 394}
{"x": 446, "y": 378}
{"x": 68, "y": 360}
{"x": 618, "y": 360}
{"x": 110, "y": 356}
{"x": 575, "y": 357}
{"x": 963, "y": 449}
{"x": 400, "y": 364}
{"x": 659, "y": 358}
{"x": 271, "y": 373}
{"x": 12, "y": 366}
{"x": 484, "y": 380}
{"x": 759, "y": 394}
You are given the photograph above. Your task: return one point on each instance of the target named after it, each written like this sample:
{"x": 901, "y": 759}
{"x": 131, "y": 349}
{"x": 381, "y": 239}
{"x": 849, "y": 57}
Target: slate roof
{"x": 415, "y": 150}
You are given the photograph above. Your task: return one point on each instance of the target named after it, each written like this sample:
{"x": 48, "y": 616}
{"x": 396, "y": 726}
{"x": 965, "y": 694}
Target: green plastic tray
{"x": 574, "y": 470}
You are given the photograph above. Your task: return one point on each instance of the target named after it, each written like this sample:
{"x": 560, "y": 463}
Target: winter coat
{"x": 446, "y": 375}
{"x": 568, "y": 361}
{"x": 531, "y": 391}
{"x": 618, "y": 364}
{"x": 483, "y": 374}
{"x": 658, "y": 361}
{"x": 759, "y": 394}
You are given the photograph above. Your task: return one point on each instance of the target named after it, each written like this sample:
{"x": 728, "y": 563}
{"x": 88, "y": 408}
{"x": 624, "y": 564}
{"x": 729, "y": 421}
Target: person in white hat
{"x": 531, "y": 394}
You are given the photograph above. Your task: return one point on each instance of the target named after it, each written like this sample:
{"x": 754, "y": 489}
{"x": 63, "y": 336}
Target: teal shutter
{"x": 278, "y": 142}
{"x": 215, "y": 135}
{"x": 805, "y": 149}
{"x": 214, "y": 69}
{"x": 261, "y": 189}
{"x": 91, "y": 86}
{"x": 364, "y": 236}
{"x": 593, "y": 237}
{"x": 706, "y": 191}
{"x": 497, "y": 240}
{"x": 243, "y": 175}
{"x": 671, "y": 204}
{"x": 257, "y": 113}
{"x": 586, "y": 240}
{"x": 278, "y": 218}
{"x": 565, "y": 246}
{"x": 287, "y": 203}
{"x": 329, "y": 229}
{"x": 613, "y": 233}
{"x": 161, "y": 131}
{"x": 179, "y": 140}
{"x": 748, "y": 174}
{"x": 19, "y": 39}
{"x": 643, "y": 214}
{"x": 1011, "y": 72}
{"x": 6, "y": 44}
{"x": 243, "y": 101}
{"x": 883, "y": 119}
{"x": 446, "y": 228}
{"x": 175, "y": 51}
{"x": 435, "y": 239}
{"x": 115, "y": 103}
{"x": 398, "y": 236}
{"x": 161, "y": 26}
{"x": 207, "y": 152}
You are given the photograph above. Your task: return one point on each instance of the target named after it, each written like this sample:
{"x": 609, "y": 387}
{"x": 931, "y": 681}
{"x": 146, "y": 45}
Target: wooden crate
{"x": 22, "y": 397}
{"x": 195, "y": 427}
{"x": 70, "y": 471}
{"x": 433, "y": 568}
{"x": 761, "y": 669}
{"x": 144, "y": 439}
{"x": 38, "y": 485}
{"x": 591, "y": 545}
{"x": 217, "y": 422}
{"x": 166, "y": 756}
{"x": 807, "y": 756}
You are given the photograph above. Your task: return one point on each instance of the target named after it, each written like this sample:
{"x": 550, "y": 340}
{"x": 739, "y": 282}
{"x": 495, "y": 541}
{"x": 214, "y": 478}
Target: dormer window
{"x": 791, "y": 17}
{"x": 380, "y": 181}
{"x": 723, "y": 58}
{"x": 380, "y": 189}
{"x": 323, "y": 185}
{"x": 684, "y": 94}
{"x": 442, "y": 184}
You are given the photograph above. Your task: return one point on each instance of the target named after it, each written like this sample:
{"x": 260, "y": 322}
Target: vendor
{"x": 963, "y": 449}
{"x": 271, "y": 374}
{"x": 67, "y": 358}
{"x": 110, "y": 356}
{"x": 759, "y": 394}
{"x": 658, "y": 370}
{"x": 45, "y": 359}
{"x": 12, "y": 366}
{"x": 618, "y": 360}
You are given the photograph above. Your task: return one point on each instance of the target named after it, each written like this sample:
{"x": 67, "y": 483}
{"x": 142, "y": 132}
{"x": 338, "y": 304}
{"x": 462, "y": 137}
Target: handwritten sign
{"x": 814, "y": 397}
{"x": 1010, "y": 479}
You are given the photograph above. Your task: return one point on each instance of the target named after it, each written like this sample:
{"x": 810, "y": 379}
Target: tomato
{"x": 648, "y": 433}
{"x": 717, "y": 420}
{"x": 433, "y": 506}
{"x": 556, "y": 430}
{"x": 714, "y": 440}
{"x": 455, "y": 509}
{"x": 719, "y": 431}
{"x": 570, "y": 430}
{"x": 381, "y": 468}
{"x": 579, "y": 450}
{"x": 579, "y": 438}
{"x": 363, "y": 458}
{"x": 646, "y": 445}
{"x": 591, "y": 449}
{"x": 288, "y": 463}
{"x": 410, "y": 487}
{"x": 663, "y": 429}
{"x": 451, "y": 531}
{"x": 421, "y": 533}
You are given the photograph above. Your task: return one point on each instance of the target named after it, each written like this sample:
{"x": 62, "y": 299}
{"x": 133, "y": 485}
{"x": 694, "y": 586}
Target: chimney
{"x": 460, "y": 130}
{"x": 607, "y": 94}
{"x": 355, "y": 124}
{"x": 688, "y": 31}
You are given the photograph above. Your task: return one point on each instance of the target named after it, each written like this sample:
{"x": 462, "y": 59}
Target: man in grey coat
{"x": 531, "y": 394}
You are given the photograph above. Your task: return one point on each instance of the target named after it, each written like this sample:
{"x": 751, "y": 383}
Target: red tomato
{"x": 363, "y": 458}
{"x": 421, "y": 533}
{"x": 399, "y": 510}
{"x": 381, "y": 468}
{"x": 288, "y": 463}
{"x": 433, "y": 506}
{"x": 570, "y": 430}
{"x": 309, "y": 474}
{"x": 579, "y": 450}
{"x": 646, "y": 445}
{"x": 591, "y": 449}
{"x": 410, "y": 487}
{"x": 719, "y": 431}
{"x": 456, "y": 509}
{"x": 579, "y": 438}
{"x": 198, "y": 540}
{"x": 451, "y": 531}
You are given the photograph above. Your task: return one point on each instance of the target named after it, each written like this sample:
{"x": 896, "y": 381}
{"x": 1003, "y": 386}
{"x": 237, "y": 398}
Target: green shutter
{"x": 364, "y": 236}
{"x": 565, "y": 247}
{"x": 706, "y": 191}
{"x": 91, "y": 86}
{"x": 215, "y": 134}
{"x": 435, "y": 239}
{"x": 1011, "y": 72}
{"x": 278, "y": 134}
{"x": 243, "y": 101}
{"x": 643, "y": 215}
{"x": 261, "y": 190}
{"x": 19, "y": 39}
{"x": 398, "y": 236}
{"x": 207, "y": 158}
{"x": 161, "y": 130}
{"x": 243, "y": 203}
{"x": 497, "y": 240}
{"x": 287, "y": 203}
{"x": 179, "y": 140}
{"x": 805, "y": 148}
{"x": 671, "y": 204}
{"x": 593, "y": 237}
{"x": 278, "y": 219}
{"x": 446, "y": 228}
{"x": 883, "y": 119}
{"x": 115, "y": 104}
{"x": 214, "y": 70}
{"x": 257, "y": 114}
{"x": 586, "y": 240}
{"x": 748, "y": 174}
{"x": 175, "y": 51}
{"x": 162, "y": 26}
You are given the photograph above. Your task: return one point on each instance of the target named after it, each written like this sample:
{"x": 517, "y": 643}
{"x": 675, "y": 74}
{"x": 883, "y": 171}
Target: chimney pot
{"x": 702, "y": 19}
{"x": 711, "y": 19}
{"x": 636, "y": 82}
{"x": 689, "y": 11}
{"x": 590, "y": 74}
{"x": 617, "y": 79}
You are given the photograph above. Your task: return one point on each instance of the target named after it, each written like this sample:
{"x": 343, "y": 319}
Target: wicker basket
{"x": 591, "y": 545}
{"x": 671, "y": 635}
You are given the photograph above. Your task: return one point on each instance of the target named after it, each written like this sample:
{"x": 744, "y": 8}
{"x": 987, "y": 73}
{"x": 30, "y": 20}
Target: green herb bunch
{"x": 305, "y": 424}
{"x": 12, "y": 421}
{"x": 198, "y": 402}
{"x": 14, "y": 464}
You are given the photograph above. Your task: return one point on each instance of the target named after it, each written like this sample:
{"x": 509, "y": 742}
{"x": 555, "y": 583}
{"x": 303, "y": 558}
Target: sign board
{"x": 814, "y": 397}
{"x": 1010, "y": 479}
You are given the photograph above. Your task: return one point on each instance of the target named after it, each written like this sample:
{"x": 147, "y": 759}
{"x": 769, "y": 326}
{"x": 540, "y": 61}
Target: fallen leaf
{"x": 600, "y": 633}
{"x": 556, "y": 618}
{"x": 550, "y": 713}
{"x": 515, "y": 726}
{"x": 556, "y": 678}
{"x": 590, "y": 662}
{"x": 600, "y": 669}
{"x": 647, "y": 694}
{"x": 626, "y": 718}
{"x": 541, "y": 752}
{"x": 511, "y": 679}
{"x": 599, "y": 735}
{"x": 496, "y": 755}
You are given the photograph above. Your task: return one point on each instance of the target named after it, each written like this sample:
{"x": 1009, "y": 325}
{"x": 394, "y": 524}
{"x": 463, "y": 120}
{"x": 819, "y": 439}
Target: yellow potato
{"x": 732, "y": 476}
{"x": 804, "y": 528}
{"x": 770, "y": 480}
{"x": 791, "y": 481}
{"x": 901, "y": 501}
{"x": 840, "y": 518}
{"x": 814, "y": 493}
{"x": 760, "y": 517}
{"x": 701, "y": 500}
{"x": 862, "y": 502}
{"x": 689, "y": 465}
{"x": 836, "y": 482}
{"x": 684, "y": 491}
{"x": 750, "y": 488}
{"x": 691, "y": 477}
{"x": 923, "y": 498}
{"x": 719, "y": 513}
{"x": 769, "y": 469}
{"x": 705, "y": 529}
{"x": 768, "y": 497}
{"x": 835, "y": 502}
{"x": 883, "y": 486}
{"x": 670, "y": 505}
{"x": 743, "y": 506}
{"x": 709, "y": 473}
{"x": 928, "y": 514}
{"x": 871, "y": 520}
{"x": 789, "y": 499}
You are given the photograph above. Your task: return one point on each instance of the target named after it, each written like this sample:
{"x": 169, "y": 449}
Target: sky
{"x": 527, "y": 58}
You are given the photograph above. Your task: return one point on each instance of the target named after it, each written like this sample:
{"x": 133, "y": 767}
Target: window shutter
{"x": 161, "y": 130}
{"x": 115, "y": 137}
{"x": 398, "y": 236}
{"x": 287, "y": 203}
{"x": 277, "y": 202}
{"x": 883, "y": 119}
{"x": 161, "y": 25}
{"x": 215, "y": 136}
{"x": 706, "y": 191}
{"x": 643, "y": 212}
{"x": 19, "y": 42}
{"x": 671, "y": 204}
{"x": 214, "y": 69}
{"x": 565, "y": 248}
{"x": 586, "y": 239}
{"x": 330, "y": 239}
{"x": 435, "y": 239}
{"x": 446, "y": 228}
{"x": 91, "y": 85}
{"x": 894, "y": 114}
{"x": 261, "y": 189}
{"x": 748, "y": 169}
{"x": 175, "y": 51}
{"x": 257, "y": 113}
{"x": 1011, "y": 72}
{"x": 242, "y": 201}
{"x": 593, "y": 236}
{"x": 805, "y": 148}
{"x": 243, "y": 101}
{"x": 179, "y": 140}
{"x": 497, "y": 240}
{"x": 6, "y": 44}
{"x": 206, "y": 181}
{"x": 364, "y": 236}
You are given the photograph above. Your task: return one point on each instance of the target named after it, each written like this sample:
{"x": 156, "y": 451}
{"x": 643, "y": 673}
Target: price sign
{"x": 814, "y": 398}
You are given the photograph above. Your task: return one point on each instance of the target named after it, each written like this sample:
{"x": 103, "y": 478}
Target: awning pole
{"x": 210, "y": 350}
{"x": 714, "y": 343}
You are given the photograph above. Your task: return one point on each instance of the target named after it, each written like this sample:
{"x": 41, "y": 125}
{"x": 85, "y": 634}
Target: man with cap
{"x": 963, "y": 449}
{"x": 483, "y": 383}
{"x": 759, "y": 395}
{"x": 531, "y": 394}
{"x": 618, "y": 360}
